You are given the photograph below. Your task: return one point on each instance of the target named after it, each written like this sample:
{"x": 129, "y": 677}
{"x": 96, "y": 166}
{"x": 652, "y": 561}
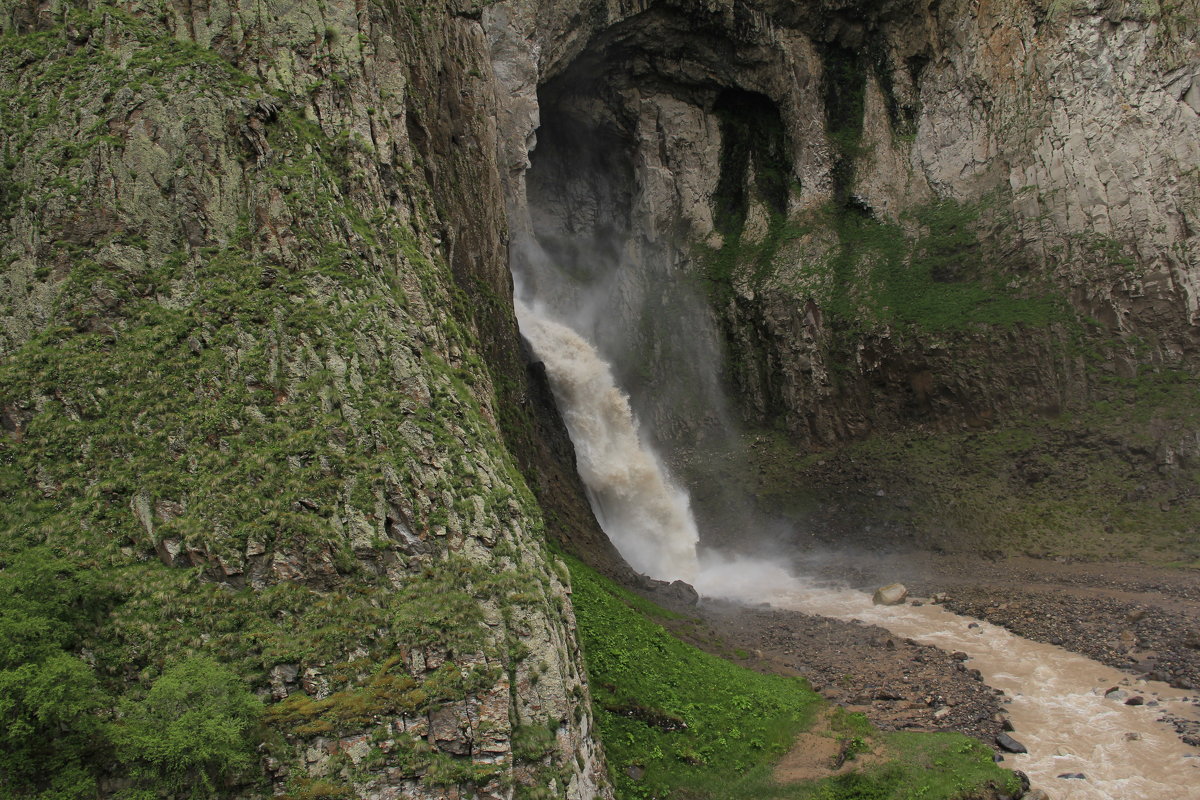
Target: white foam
{"x": 643, "y": 511}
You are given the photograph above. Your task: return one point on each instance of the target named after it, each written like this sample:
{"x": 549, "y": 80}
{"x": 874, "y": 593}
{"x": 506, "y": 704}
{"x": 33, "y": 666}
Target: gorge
{"x": 897, "y": 280}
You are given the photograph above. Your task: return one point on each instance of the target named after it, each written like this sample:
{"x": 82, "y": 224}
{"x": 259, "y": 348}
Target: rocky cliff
{"x": 949, "y": 216}
{"x": 253, "y": 265}
{"x": 985, "y": 155}
{"x": 258, "y": 367}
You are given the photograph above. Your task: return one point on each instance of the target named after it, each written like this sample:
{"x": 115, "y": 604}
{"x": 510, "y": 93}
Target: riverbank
{"x": 1133, "y": 617}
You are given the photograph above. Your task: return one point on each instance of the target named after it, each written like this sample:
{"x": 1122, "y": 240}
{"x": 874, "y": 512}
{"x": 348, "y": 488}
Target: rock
{"x": 891, "y": 595}
{"x": 1010, "y": 744}
{"x": 1073, "y": 776}
{"x": 1136, "y": 700}
{"x": 1024, "y": 779}
{"x": 675, "y": 591}
{"x": 1036, "y": 794}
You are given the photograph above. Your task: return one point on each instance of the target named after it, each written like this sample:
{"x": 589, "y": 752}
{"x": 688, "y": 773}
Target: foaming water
{"x": 1057, "y": 703}
{"x": 645, "y": 514}
{"x": 1056, "y": 698}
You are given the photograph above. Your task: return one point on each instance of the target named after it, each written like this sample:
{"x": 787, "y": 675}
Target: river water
{"x": 1056, "y": 699}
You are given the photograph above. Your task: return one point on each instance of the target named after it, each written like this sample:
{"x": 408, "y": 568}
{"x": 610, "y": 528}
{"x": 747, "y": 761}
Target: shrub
{"x": 192, "y": 731}
{"x": 49, "y": 698}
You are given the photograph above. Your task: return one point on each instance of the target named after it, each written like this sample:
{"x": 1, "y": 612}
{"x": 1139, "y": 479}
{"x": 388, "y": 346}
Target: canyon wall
{"x": 255, "y": 300}
{"x": 258, "y": 363}
{"x": 931, "y": 208}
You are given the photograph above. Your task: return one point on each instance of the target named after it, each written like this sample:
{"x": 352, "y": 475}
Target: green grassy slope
{"x": 677, "y": 722}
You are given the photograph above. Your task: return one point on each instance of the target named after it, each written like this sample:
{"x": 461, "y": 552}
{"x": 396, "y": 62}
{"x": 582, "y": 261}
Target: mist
{"x": 638, "y": 325}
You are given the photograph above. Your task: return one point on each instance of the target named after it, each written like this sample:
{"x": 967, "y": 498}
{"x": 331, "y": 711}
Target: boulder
{"x": 676, "y": 591}
{"x": 1010, "y": 744}
{"x": 891, "y": 595}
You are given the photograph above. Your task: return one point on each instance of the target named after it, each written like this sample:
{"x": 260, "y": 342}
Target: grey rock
{"x": 1010, "y": 744}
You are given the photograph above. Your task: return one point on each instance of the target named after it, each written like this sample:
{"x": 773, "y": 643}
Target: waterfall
{"x": 645, "y": 514}
{"x": 1058, "y": 699}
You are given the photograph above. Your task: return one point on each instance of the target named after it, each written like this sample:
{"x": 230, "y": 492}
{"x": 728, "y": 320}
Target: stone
{"x": 1010, "y": 744}
{"x": 676, "y": 591}
{"x": 1073, "y": 776}
{"x": 891, "y": 595}
{"x": 450, "y": 729}
{"x": 1136, "y": 700}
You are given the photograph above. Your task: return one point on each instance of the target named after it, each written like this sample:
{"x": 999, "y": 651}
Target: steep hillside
{"x": 277, "y": 478}
{"x": 245, "y": 400}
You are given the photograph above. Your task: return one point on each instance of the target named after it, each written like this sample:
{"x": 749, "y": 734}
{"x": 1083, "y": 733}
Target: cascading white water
{"x": 1057, "y": 702}
{"x": 645, "y": 514}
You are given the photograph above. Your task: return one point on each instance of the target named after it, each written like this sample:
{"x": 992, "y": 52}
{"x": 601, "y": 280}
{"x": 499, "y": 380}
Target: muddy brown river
{"x": 1056, "y": 699}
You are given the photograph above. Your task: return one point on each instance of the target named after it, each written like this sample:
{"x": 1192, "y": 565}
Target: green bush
{"x": 192, "y": 731}
{"x": 50, "y": 725}
{"x": 49, "y": 698}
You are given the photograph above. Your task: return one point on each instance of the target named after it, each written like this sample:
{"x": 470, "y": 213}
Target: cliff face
{"x": 894, "y": 215}
{"x": 253, "y": 262}
{"x": 921, "y": 189}
{"x": 258, "y": 367}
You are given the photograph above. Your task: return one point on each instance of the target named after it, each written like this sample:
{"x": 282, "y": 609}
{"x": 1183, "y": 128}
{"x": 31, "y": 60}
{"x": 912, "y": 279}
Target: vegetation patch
{"x": 947, "y": 277}
{"x": 680, "y": 723}
{"x": 1117, "y": 478}
{"x": 261, "y": 443}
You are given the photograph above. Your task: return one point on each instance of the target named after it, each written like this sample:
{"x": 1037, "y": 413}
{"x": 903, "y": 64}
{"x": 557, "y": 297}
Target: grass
{"x": 924, "y": 766}
{"x": 677, "y": 722}
{"x": 877, "y": 275}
